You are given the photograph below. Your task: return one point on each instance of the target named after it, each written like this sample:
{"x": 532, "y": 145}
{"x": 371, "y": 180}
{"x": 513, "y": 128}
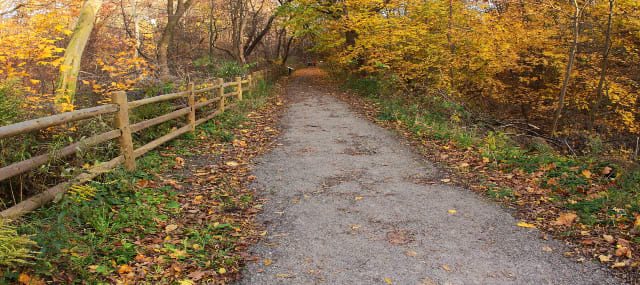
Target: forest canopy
{"x": 567, "y": 66}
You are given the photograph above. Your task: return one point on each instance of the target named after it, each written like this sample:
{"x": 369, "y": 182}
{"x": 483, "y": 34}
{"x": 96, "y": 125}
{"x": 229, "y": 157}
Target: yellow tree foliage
{"x": 30, "y": 46}
{"x": 505, "y": 56}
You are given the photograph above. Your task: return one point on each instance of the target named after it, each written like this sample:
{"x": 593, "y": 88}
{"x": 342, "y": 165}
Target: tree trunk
{"x": 173, "y": 17}
{"x": 212, "y": 20}
{"x": 136, "y": 26}
{"x": 567, "y": 76}
{"x": 605, "y": 65}
{"x": 254, "y": 41}
{"x": 237, "y": 8}
{"x": 451, "y": 47}
{"x": 281, "y": 33}
{"x": 165, "y": 39}
{"x": 67, "y": 82}
{"x": 135, "y": 34}
{"x": 287, "y": 50}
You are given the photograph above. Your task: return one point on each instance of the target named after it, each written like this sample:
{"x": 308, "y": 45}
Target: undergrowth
{"x": 91, "y": 232}
{"x": 22, "y": 147}
{"x": 601, "y": 192}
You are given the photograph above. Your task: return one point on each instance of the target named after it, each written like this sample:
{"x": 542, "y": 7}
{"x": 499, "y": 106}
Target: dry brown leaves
{"x": 468, "y": 169}
{"x": 211, "y": 193}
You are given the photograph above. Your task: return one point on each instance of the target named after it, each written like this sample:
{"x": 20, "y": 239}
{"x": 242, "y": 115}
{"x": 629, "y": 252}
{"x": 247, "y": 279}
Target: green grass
{"x": 90, "y": 231}
{"x": 368, "y": 86}
{"x": 77, "y": 234}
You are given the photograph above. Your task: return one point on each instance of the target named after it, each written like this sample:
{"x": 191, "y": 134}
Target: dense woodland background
{"x": 567, "y": 67}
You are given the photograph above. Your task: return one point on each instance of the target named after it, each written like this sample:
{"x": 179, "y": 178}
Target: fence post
{"x": 220, "y": 82}
{"x": 239, "y": 91}
{"x": 250, "y": 80}
{"x": 122, "y": 123}
{"x": 192, "y": 106}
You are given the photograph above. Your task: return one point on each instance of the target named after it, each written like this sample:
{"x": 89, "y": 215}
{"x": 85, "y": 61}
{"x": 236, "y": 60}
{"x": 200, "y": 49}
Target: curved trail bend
{"x": 344, "y": 207}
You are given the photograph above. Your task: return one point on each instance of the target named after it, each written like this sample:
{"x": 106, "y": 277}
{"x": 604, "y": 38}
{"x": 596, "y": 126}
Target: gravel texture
{"x": 347, "y": 202}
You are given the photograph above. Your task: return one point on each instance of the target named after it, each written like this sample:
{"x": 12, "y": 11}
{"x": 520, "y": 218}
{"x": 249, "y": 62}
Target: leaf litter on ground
{"x": 540, "y": 202}
{"x": 211, "y": 221}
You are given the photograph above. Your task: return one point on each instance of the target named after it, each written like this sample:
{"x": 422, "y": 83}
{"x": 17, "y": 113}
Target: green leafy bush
{"x": 229, "y": 69}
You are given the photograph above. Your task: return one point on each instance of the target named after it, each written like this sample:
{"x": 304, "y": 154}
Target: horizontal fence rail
{"x": 43, "y": 123}
{"x": 123, "y": 131}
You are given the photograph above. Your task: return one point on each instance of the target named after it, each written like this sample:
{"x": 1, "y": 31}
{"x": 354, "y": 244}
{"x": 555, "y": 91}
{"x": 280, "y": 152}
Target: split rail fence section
{"x": 123, "y": 131}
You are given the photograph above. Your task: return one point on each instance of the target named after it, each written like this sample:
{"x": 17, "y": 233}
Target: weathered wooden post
{"x": 250, "y": 80}
{"x": 192, "y": 107}
{"x": 239, "y": 91}
{"x": 220, "y": 83}
{"x": 122, "y": 123}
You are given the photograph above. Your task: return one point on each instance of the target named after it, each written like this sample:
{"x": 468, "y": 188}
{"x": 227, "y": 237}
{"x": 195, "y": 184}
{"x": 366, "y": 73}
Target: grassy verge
{"x": 591, "y": 201}
{"x": 144, "y": 226}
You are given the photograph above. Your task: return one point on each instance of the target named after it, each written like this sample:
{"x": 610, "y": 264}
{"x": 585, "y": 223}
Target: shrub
{"x": 221, "y": 68}
{"x": 15, "y": 249}
{"x": 368, "y": 86}
{"x": 11, "y": 98}
{"x": 229, "y": 69}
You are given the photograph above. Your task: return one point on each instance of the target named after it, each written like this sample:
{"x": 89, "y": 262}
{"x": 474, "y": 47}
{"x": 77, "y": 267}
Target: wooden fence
{"x": 122, "y": 131}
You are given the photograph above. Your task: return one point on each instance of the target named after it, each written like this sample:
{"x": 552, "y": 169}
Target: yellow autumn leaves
{"x": 485, "y": 52}
{"x": 526, "y": 225}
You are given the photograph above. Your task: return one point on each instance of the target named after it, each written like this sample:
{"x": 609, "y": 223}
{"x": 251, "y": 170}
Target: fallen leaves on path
{"x": 526, "y": 225}
{"x": 427, "y": 281}
{"x": 565, "y": 219}
{"x": 608, "y": 238}
{"x": 411, "y": 253}
{"x": 399, "y": 237}
{"x": 604, "y": 258}
{"x": 170, "y": 228}
{"x": 540, "y": 195}
{"x": 208, "y": 223}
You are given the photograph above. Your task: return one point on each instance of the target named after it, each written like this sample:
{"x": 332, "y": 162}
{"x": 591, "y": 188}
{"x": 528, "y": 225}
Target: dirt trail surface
{"x": 347, "y": 202}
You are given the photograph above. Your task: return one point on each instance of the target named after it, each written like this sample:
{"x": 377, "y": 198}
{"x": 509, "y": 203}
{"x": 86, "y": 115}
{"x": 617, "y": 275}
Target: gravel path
{"x": 347, "y": 203}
